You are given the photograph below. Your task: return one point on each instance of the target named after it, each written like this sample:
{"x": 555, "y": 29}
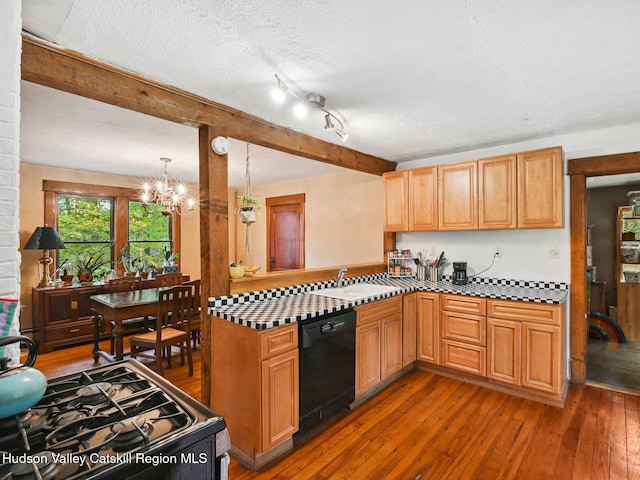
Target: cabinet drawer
{"x": 463, "y": 304}
{"x": 465, "y": 357}
{"x": 465, "y": 328}
{"x": 278, "y": 340}
{"x": 374, "y": 311}
{"x": 525, "y": 311}
{"x": 70, "y": 332}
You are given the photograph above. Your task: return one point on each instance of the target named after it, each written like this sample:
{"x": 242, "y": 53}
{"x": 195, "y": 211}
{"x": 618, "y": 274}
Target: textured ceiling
{"x": 412, "y": 79}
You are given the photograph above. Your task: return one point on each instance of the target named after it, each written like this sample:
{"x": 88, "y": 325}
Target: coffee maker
{"x": 459, "y": 276}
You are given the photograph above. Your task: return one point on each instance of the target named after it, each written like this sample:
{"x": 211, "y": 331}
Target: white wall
{"x": 343, "y": 220}
{"x": 525, "y": 253}
{"x": 11, "y": 41}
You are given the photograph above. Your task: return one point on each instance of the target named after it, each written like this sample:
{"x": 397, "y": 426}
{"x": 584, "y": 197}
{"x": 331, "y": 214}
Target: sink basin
{"x": 357, "y": 291}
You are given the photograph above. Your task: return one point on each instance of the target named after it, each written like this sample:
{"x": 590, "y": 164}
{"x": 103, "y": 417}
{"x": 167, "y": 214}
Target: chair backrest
{"x": 169, "y": 279}
{"x": 174, "y": 306}
{"x": 123, "y": 284}
{"x": 195, "y": 291}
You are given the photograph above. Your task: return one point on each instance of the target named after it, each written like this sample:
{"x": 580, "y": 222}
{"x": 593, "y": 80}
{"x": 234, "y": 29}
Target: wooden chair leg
{"x": 159, "y": 361}
{"x": 189, "y": 358}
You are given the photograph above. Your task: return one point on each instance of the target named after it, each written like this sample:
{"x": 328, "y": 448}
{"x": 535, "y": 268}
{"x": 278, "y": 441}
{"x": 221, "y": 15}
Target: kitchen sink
{"x": 356, "y": 291}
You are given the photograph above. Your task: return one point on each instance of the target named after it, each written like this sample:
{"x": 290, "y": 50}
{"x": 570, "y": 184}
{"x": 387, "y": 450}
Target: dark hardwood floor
{"x": 425, "y": 426}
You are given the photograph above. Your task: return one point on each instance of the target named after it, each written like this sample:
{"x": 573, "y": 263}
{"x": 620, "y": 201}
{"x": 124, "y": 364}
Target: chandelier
{"x": 172, "y": 197}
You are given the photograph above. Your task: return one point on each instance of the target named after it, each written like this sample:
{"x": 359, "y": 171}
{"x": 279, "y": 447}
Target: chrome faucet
{"x": 340, "y": 276}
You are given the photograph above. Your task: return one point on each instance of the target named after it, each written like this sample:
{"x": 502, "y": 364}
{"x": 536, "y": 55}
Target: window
{"x": 149, "y": 234}
{"x": 96, "y": 222}
{"x": 85, "y": 225}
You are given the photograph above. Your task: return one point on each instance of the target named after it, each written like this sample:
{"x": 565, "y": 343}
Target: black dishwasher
{"x": 327, "y": 367}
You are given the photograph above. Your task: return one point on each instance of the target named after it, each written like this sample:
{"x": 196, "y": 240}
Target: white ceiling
{"x": 411, "y": 79}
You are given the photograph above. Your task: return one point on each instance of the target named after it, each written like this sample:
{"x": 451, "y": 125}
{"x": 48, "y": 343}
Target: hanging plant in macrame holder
{"x": 248, "y": 205}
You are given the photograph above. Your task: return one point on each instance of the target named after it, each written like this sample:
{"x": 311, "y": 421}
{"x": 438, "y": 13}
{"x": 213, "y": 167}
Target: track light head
{"x": 328, "y": 124}
{"x": 342, "y": 134}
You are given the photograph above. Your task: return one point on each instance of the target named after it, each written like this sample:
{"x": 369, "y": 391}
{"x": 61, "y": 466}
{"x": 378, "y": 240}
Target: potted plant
{"x": 169, "y": 260}
{"x": 142, "y": 268}
{"x": 89, "y": 264}
{"x": 247, "y": 208}
{"x": 63, "y": 270}
{"x": 128, "y": 261}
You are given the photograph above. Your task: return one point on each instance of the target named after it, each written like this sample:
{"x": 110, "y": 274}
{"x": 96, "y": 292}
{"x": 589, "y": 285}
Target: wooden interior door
{"x": 285, "y": 232}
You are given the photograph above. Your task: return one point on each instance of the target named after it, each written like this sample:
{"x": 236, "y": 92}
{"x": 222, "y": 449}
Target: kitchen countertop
{"x": 271, "y": 308}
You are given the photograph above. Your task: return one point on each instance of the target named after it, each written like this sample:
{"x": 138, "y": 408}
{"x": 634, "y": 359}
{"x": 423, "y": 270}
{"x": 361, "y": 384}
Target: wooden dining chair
{"x": 169, "y": 279}
{"x": 196, "y": 312}
{"x": 172, "y": 328}
{"x": 131, "y": 325}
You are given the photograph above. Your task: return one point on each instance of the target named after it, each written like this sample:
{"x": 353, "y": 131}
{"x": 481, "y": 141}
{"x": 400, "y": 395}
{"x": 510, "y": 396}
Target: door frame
{"x": 298, "y": 198}
{"x": 578, "y": 170}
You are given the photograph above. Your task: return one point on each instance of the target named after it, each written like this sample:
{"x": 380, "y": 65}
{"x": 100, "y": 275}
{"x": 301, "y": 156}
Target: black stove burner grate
{"x": 108, "y": 412}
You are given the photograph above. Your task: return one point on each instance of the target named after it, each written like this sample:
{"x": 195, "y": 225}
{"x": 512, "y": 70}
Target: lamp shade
{"x": 44, "y": 238}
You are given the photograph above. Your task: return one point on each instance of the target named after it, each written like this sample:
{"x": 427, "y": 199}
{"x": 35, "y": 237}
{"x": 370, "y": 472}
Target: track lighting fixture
{"x": 310, "y": 101}
{"x": 328, "y": 124}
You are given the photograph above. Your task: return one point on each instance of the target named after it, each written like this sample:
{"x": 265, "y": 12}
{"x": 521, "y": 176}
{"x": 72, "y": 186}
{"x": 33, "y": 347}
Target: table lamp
{"x": 45, "y": 238}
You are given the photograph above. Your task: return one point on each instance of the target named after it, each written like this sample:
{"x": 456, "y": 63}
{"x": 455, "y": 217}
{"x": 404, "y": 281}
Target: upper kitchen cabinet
{"x": 497, "y": 193}
{"x": 540, "y": 192}
{"x": 423, "y": 199}
{"x": 411, "y": 200}
{"x": 457, "y": 196}
{"x": 396, "y": 201}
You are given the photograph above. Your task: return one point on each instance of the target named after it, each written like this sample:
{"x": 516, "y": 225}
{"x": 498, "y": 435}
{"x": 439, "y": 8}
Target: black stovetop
{"x": 88, "y": 422}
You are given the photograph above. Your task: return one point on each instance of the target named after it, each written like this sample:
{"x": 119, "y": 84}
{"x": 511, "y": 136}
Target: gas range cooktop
{"x": 117, "y": 418}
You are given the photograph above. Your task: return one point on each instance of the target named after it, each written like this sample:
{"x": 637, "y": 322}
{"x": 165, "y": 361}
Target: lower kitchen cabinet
{"x": 379, "y": 352}
{"x": 279, "y": 398}
{"x": 409, "y": 343}
{"x": 463, "y": 329}
{"x": 525, "y": 343}
{"x": 428, "y": 327}
{"x": 255, "y": 387}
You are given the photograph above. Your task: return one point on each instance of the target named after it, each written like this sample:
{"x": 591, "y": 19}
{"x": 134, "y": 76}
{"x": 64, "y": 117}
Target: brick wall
{"x": 10, "y": 39}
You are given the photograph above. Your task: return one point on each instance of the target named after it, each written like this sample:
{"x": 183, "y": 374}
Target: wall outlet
{"x": 554, "y": 252}
{"x": 498, "y": 252}
{"x": 432, "y": 251}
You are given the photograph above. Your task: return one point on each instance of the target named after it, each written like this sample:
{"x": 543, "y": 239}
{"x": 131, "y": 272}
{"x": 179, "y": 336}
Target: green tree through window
{"x": 149, "y": 233}
{"x": 85, "y": 225}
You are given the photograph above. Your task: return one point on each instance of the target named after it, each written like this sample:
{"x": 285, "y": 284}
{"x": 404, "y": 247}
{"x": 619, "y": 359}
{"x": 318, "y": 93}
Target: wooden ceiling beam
{"x": 74, "y": 73}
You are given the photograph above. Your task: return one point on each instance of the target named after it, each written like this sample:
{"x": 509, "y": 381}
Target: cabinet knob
{"x": 74, "y": 305}
{"x": 74, "y": 330}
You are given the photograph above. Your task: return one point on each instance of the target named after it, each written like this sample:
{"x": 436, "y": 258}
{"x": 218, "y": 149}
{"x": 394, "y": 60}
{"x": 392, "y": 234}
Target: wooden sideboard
{"x": 62, "y": 316}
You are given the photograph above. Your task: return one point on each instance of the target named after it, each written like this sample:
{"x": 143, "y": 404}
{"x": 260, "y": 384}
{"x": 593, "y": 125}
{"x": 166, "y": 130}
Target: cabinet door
{"x": 280, "y": 398}
{"x": 391, "y": 345}
{"x": 368, "y": 360}
{"x": 497, "y": 193}
{"x": 59, "y": 306}
{"x": 541, "y": 358}
{"x": 409, "y": 341}
{"x": 540, "y": 189}
{"x": 457, "y": 196}
{"x": 503, "y": 351}
{"x": 423, "y": 198}
{"x": 396, "y": 201}
{"x": 428, "y": 327}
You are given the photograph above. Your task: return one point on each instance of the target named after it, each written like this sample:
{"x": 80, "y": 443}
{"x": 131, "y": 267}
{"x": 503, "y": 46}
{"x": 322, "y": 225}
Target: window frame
{"x": 120, "y": 197}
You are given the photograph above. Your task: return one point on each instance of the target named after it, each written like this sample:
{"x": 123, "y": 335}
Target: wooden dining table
{"x": 116, "y": 308}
